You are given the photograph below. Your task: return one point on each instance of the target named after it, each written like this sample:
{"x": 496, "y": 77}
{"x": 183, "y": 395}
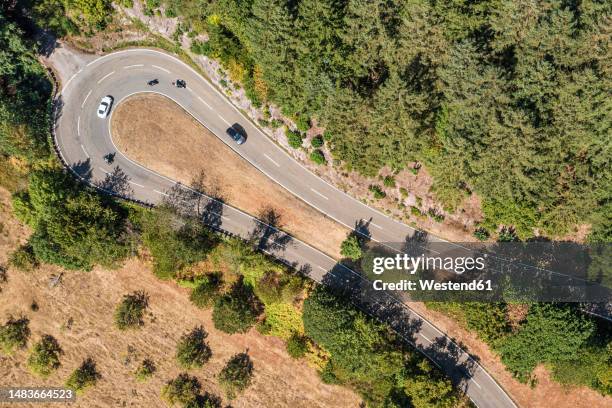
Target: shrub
{"x": 207, "y": 292}
{"x": 327, "y": 135}
{"x": 83, "y": 377}
{"x": 23, "y": 258}
{"x": 433, "y": 213}
{"x": 351, "y": 248}
{"x": 200, "y": 47}
{"x": 236, "y": 311}
{"x": 377, "y": 191}
{"x": 294, "y": 139}
{"x": 44, "y": 358}
{"x": 403, "y": 192}
{"x": 389, "y": 181}
{"x": 316, "y": 142}
{"x": 237, "y": 374}
{"x": 14, "y": 334}
{"x": 303, "y": 123}
{"x": 317, "y": 157}
{"x": 130, "y": 311}
{"x": 145, "y": 370}
{"x": 297, "y": 345}
{"x": 184, "y": 389}
{"x": 170, "y": 12}
{"x": 192, "y": 349}
{"x": 481, "y": 233}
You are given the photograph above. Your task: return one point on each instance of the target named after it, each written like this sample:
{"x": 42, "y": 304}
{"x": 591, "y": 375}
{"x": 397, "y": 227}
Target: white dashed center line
{"x": 223, "y": 119}
{"x": 85, "y": 100}
{"x": 158, "y": 67}
{"x": 106, "y": 76}
{"x": 425, "y": 337}
{"x": 159, "y": 192}
{"x": 133, "y": 66}
{"x": 204, "y": 102}
{"x": 85, "y": 151}
{"x": 269, "y": 158}
{"x": 79, "y": 126}
{"x": 136, "y": 184}
{"x": 103, "y": 170}
{"x": 315, "y": 191}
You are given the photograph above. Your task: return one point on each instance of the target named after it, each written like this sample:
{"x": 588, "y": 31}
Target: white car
{"x": 105, "y": 105}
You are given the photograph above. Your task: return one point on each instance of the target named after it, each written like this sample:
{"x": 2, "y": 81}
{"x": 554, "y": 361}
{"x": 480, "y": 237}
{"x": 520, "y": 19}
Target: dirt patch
{"x": 157, "y": 133}
{"x": 547, "y": 392}
{"x": 79, "y": 314}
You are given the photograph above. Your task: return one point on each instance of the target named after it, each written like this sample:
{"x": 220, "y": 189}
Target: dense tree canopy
{"x": 506, "y": 98}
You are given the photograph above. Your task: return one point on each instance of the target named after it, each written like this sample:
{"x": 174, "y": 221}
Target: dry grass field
{"x": 79, "y": 314}
{"x": 155, "y": 132}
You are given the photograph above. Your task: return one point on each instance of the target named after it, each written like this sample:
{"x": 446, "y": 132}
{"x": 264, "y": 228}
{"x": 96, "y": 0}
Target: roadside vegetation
{"x": 77, "y": 228}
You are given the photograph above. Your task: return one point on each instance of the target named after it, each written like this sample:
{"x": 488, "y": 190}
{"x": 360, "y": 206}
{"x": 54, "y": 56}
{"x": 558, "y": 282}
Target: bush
{"x": 403, "y": 192}
{"x": 433, "y": 213}
{"x": 415, "y": 211}
{"x": 481, "y": 233}
{"x": 44, "y": 358}
{"x": 200, "y": 47}
{"x": 145, "y": 370}
{"x": 184, "y": 389}
{"x": 236, "y": 311}
{"x": 207, "y": 292}
{"x": 294, "y": 139}
{"x": 317, "y": 157}
{"x": 303, "y": 123}
{"x": 83, "y": 377}
{"x": 327, "y": 135}
{"x": 130, "y": 311}
{"x": 377, "y": 191}
{"x": 23, "y": 258}
{"x": 237, "y": 374}
{"x": 351, "y": 248}
{"x": 14, "y": 334}
{"x": 389, "y": 181}
{"x": 297, "y": 345}
{"x": 192, "y": 349}
{"x": 316, "y": 142}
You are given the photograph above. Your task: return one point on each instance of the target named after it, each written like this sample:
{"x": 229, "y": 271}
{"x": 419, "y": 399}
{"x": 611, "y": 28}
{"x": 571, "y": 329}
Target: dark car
{"x": 180, "y": 83}
{"x": 237, "y": 133}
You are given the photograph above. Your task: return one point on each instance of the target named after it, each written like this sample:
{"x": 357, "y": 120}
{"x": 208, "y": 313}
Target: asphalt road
{"x": 83, "y": 139}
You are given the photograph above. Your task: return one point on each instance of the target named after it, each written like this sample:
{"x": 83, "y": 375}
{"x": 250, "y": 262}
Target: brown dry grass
{"x": 89, "y": 299}
{"x": 155, "y": 132}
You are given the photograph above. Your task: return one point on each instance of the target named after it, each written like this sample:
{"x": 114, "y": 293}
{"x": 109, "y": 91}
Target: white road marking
{"x": 475, "y": 383}
{"x": 85, "y": 100}
{"x": 218, "y": 215}
{"x": 106, "y": 76}
{"x": 269, "y": 158}
{"x": 204, "y": 102}
{"x": 158, "y": 67}
{"x": 425, "y": 337}
{"x": 322, "y": 268}
{"x": 104, "y": 170}
{"x": 136, "y": 184}
{"x": 79, "y": 126}
{"x": 159, "y": 192}
{"x": 133, "y": 66}
{"x": 85, "y": 151}
{"x": 223, "y": 119}
{"x": 319, "y": 193}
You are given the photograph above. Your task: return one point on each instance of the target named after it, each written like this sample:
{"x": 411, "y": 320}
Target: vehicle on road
{"x": 180, "y": 83}
{"x": 237, "y": 133}
{"x": 153, "y": 82}
{"x": 109, "y": 158}
{"x": 105, "y": 106}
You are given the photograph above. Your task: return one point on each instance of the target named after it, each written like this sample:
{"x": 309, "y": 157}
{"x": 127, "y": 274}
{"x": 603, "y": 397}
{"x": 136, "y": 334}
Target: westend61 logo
{"x": 411, "y": 264}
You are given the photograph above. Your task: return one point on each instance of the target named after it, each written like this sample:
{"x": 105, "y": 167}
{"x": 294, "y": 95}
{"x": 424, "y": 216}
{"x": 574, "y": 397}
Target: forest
{"x": 505, "y": 98}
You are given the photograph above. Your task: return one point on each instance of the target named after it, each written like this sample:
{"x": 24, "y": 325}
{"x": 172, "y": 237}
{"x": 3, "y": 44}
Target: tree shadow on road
{"x": 117, "y": 182}
{"x": 82, "y": 169}
{"x": 266, "y": 234}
